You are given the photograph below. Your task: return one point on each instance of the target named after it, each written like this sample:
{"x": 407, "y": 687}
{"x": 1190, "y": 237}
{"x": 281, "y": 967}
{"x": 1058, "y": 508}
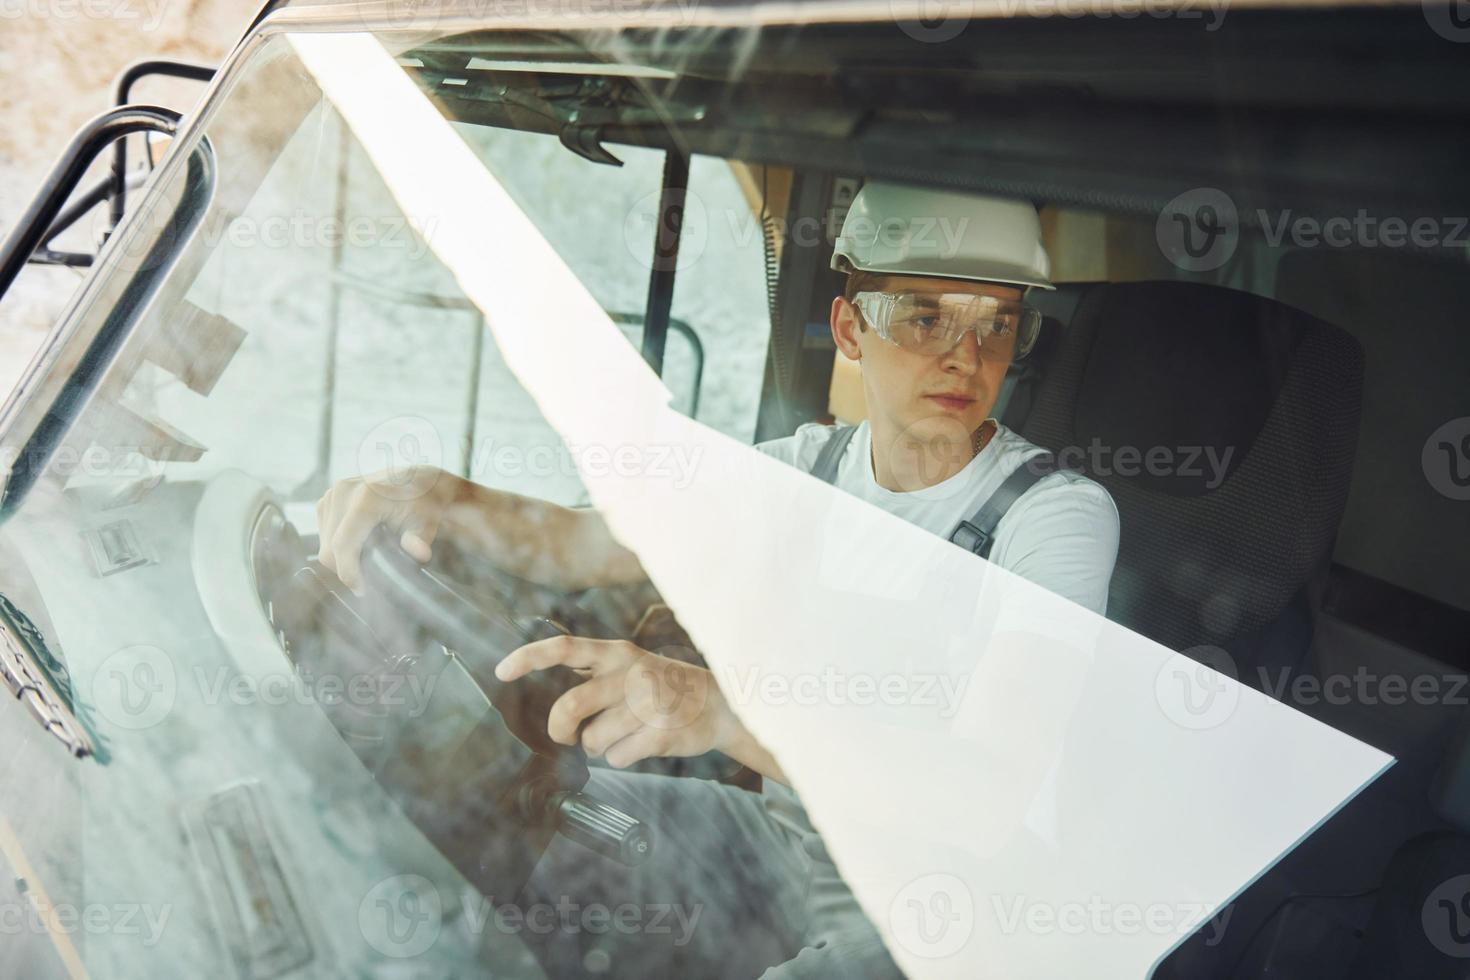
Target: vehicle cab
{"x": 584, "y": 257}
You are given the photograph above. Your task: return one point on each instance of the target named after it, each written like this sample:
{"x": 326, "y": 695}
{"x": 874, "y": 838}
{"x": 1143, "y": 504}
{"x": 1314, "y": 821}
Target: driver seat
{"x": 1255, "y": 405}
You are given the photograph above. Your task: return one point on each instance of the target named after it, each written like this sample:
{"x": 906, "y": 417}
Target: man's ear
{"x": 845, "y": 328}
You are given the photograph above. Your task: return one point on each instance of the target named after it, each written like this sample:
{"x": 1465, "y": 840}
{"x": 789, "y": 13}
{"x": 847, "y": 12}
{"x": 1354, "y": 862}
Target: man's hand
{"x": 533, "y": 539}
{"x": 634, "y": 705}
{"x": 412, "y": 502}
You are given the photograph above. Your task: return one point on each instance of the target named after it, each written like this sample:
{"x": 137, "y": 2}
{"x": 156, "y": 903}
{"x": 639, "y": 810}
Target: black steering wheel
{"x": 471, "y": 763}
{"x": 472, "y": 618}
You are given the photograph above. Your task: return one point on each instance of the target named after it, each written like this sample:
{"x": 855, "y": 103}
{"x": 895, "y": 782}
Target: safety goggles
{"x": 933, "y": 324}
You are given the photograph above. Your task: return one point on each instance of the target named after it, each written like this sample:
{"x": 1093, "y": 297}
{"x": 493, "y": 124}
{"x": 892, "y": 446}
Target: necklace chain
{"x": 983, "y": 435}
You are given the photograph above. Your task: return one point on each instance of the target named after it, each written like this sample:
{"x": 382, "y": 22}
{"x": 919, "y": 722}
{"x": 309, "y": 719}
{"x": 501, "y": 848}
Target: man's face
{"x": 925, "y": 396}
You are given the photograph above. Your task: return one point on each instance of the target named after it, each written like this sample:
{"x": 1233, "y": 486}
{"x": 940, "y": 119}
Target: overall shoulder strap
{"x": 825, "y": 468}
{"x": 978, "y": 533}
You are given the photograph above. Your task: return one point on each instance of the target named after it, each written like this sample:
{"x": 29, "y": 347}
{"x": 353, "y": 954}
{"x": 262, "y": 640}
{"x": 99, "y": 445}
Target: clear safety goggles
{"x": 934, "y": 323}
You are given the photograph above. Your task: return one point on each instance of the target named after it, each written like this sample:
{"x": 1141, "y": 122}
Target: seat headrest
{"x": 1182, "y": 366}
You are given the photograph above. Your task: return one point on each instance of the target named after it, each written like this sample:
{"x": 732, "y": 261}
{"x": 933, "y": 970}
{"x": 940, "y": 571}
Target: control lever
{"x": 596, "y": 825}
{"x": 482, "y": 635}
{"x": 587, "y": 820}
{"x": 603, "y": 828}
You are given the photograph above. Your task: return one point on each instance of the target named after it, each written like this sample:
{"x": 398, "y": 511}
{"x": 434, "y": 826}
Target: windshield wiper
{"x": 579, "y": 111}
{"x": 40, "y": 681}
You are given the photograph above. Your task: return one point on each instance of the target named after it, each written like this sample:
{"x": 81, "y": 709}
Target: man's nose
{"x": 963, "y": 357}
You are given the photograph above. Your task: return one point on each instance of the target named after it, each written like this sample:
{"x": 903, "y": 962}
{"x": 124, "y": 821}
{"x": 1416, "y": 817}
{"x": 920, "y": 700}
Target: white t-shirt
{"x": 1062, "y": 534}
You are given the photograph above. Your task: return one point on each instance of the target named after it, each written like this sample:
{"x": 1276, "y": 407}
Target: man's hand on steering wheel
{"x": 634, "y": 704}
{"x": 412, "y": 502}
{"x": 564, "y": 548}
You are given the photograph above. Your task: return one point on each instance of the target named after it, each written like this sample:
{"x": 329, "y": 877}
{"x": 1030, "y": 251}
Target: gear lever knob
{"x": 602, "y": 828}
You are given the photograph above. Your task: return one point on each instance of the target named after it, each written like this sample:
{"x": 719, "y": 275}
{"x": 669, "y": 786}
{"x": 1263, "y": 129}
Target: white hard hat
{"x": 892, "y": 229}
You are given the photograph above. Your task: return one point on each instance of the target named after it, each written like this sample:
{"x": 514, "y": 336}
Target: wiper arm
{"x": 38, "y": 680}
{"x": 577, "y": 113}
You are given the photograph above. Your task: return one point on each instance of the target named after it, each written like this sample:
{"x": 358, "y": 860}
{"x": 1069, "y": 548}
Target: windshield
{"x": 447, "y": 483}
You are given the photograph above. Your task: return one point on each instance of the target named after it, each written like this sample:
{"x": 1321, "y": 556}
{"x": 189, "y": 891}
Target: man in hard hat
{"x": 934, "y": 312}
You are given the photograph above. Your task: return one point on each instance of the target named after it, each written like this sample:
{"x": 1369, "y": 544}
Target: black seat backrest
{"x": 1407, "y": 309}
{"x": 1224, "y": 425}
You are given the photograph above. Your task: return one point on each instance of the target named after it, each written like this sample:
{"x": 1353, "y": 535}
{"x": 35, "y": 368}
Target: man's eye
{"x": 1000, "y": 326}
{"x": 921, "y": 322}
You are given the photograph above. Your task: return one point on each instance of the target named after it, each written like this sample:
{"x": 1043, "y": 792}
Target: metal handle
{"x": 117, "y": 187}
{"x": 198, "y": 191}
{"x": 32, "y": 227}
{"x": 602, "y": 828}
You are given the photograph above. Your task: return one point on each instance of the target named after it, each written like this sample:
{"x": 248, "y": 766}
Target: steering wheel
{"x": 478, "y": 626}
{"x": 463, "y": 754}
